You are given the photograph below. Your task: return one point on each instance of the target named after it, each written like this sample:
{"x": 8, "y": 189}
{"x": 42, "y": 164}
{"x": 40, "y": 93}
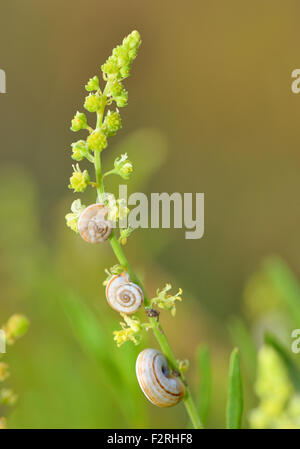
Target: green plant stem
{"x": 98, "y": 172}
{"x": 156, "y": 326}
{"x": 158, "y": 332}
{"x": 110, "y": 172}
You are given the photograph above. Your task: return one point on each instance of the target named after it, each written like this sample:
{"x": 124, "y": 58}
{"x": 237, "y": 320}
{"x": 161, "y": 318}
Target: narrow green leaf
{"x": 241, "y": 336}
{"x": 286, "y": 284}
{"x": 234, "y": 409}
{"x": 99, "y": 346}
{"x": 293, "y": 369}
{"x": 205, "y": 383}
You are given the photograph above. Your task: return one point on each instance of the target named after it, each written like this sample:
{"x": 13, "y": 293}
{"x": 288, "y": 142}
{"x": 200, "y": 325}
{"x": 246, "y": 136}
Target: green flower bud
{"x": 97, "y": 141}
{"x": 71, "y": 222}
{"x": 93, "y": 84}
{"x": 110, "y": 66}
{"x": 121, "y": 55}
{"x": 183, "y": 365}
{"x": 122, "y": 100}
{"x": 77, "y": 207}
{"x": 132, "y": 54}
{"x": 133, "y": 40}
{"x": 124, "y": 234}
{"x": 112, "y": 123}
{"x": 123, "y": 166}
{"x": 79, "y": 180}
{"x": 125, "y": 71}
{"x": 16, "y": 327}
{"x": 116, "y": 89}
{"x": 72, "y": 218}
{"x": 79, "y": 122}
{"x": 92, "y": 103}
{"x": 80, "y": 150}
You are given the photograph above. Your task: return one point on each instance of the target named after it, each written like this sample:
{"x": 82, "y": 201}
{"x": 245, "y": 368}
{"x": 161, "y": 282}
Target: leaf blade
{"x": 292, "y": 368}
{"x": 286, "y": 284}
{"x": 241, "y": 336}
{"x": 234, "y": 408}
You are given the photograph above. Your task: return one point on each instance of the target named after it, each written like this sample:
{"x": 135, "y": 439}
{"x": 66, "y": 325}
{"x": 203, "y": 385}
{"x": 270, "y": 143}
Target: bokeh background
{"x": 210, "y": 110}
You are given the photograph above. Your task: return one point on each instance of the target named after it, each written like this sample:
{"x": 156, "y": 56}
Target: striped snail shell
{"x": 155, "y": 380}
{"x": 122, "y": 295}
{"x": 93, "y": 225}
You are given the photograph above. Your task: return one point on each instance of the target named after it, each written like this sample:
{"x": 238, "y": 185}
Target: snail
{"x": 122, "y": 295}
{"x": 93, "y": 225}
{"x": 157, "y": 383}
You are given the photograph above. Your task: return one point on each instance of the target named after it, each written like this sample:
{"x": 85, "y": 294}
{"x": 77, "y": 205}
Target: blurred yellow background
{"x": 210, "y": 110}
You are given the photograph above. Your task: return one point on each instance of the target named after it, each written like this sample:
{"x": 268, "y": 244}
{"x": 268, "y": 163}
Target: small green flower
{"x": 124, "y": 234}
{"x": 79, "y": 180}
{"x": 123, "y": 166}
{"x": 93, "y": 84}
{"x": 15, "y": 328}
{"x": 71, "y": 222}
{"x": 165, "y": 301}
{"x": 79, "y": 122}
{"x": 130, "y": 331}
{"x": 116, "y": 269}
{"x": 112, "y": 123}
{"x": 110, "y": 67}
{"x": 122, "y": 99}
{"x": 92, "y": 103}
{"x": 116, "y": 88}
{"x": 77, "y": 207}
{"x": 183, "y": 365}
{"x": 97, "y": 141}
{"x": 80, "y": 150}
{"x": 117, "y": 209}
{"x": 72, "y": 217}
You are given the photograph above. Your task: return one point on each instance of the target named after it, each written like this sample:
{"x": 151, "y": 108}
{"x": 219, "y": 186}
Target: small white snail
{"x": 122, "y": 295}
{"x": 93, "y": 225}
{"x": 157, "y": 383}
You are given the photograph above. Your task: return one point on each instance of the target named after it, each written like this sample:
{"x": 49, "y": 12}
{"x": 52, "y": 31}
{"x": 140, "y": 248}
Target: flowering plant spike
{"x": 15, "y": 328}
{"x": 93, "y": 224}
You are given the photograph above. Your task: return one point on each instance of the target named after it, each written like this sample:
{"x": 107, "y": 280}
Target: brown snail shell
{"x": 122, "y": 295}
{"x": 93, "y": 225}
{"x": 157, "y": 383}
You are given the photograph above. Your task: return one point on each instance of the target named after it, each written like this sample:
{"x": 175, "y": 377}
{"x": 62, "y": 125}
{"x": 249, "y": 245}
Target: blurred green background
{"x": 210, "y": 110}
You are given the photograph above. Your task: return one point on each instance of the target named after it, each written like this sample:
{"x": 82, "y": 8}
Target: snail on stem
{"x": 123, "y": 295}
{"x": 157, "y": 383}
{"x": 93, "y": 225}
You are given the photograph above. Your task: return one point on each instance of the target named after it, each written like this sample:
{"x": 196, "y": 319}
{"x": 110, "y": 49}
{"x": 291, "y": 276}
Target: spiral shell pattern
{"x": 155, "y": 380}
{"x": 122, "y": 295}
{"x": 93, "y": 225}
